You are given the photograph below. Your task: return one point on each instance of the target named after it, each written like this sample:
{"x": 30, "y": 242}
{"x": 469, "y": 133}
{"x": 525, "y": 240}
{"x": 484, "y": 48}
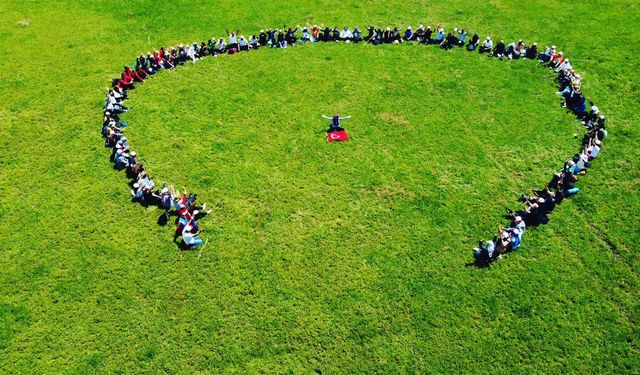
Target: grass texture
{"x": 325, "y": 258}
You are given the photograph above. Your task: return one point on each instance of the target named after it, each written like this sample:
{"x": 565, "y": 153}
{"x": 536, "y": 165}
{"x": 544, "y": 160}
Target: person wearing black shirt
{"x": 427, "y": 35}
{"x": 532, "y": 52}
{"x": 473, "y": 43}
{"x": 262, "y": 38}
{"x": 499, "y": 50}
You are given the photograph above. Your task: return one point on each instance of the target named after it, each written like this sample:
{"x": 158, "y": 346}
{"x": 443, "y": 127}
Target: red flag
{"x": 337, "y": 136}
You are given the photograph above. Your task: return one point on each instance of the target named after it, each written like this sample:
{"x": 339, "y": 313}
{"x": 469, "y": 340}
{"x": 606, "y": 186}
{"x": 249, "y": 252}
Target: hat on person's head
{"x": 553, "y": 47}
{"x": 518, "y": 219}
{"x": 188, "y": 228}
{"x": 598, "y": 142}
{"x": 534, "y": 44}
{"x": 602, "y": 117}
{"x": 136, "y": 185}
{"x": 421, "y": 27}
{"x": 541, "y": 200}
{"x": 388, "y": 28}
{"x": 488, "y": 38}
{"x": 455, "y": 29}
{"x": 133, "y": 153}
{"x": 409, "y": 28}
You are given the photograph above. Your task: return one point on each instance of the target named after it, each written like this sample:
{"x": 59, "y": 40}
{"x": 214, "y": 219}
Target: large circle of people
{"x": 536, "y": 206}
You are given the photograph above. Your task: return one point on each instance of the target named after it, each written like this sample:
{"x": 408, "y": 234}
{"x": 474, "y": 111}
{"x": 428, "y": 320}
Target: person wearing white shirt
{"x": 233, "y": 39}
{"x": 486, "y": 46}
{"x": 594, "y": 149}
{"x": 564, "y": 66}
{"x": 346, "y": 35}
{"x": 244, "y": 45}
{"x": 191, "y": 53}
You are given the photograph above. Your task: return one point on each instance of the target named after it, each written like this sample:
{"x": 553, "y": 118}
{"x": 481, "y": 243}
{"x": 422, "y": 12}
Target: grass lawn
{"x": 327, "y": 258}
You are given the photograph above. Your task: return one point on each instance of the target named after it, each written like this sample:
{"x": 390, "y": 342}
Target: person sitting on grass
{"x": 253, "y": 42}
{"x": 315, "y": 33}
{"x": 419, "y": 34}
{"x": 439, "y": 36}
{"x": 449, "y": 42}
{"x": 462, "y": 37}
{"x": 191, "y": 53}
{"x": 336, "y": 120}
{"x": 335, "y": 34}
{"x": 428, "y": 33}
{"x": 121, "y": 160}
{"x": 515, "y": 237}
{"x": 486, "y": 46}
{"x": 357, "y": 35}
{"x": 346, "y": 35}
{"x": 473, "y": 43}
{"x": 306, "y": 35}
{"x": 282, "y": 40}
{"x": 499, "y": 50}
{"x": 243, "y": 44}
{"x": 532, "y": 52}
{"x": 547, "y": 54}
{"x": 222, "y": 46}
{"x": 409, "y": 35}
{"x": 126, "y": 81}
{"x": 191, "y": 237}
{"x": 233, "y": 39}
{"x": 593, "y": 148}
{"x": 485, "y": 251}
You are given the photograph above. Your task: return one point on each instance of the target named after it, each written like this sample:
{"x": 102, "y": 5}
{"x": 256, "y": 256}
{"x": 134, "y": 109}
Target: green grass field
{"x": 322, "y": 258}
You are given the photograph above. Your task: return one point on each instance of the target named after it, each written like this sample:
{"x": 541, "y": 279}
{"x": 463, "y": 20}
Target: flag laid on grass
{"x": 337, "y": 136}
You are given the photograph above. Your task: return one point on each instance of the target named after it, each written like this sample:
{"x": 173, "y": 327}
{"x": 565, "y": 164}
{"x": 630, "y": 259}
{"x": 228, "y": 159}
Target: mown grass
{"x": 333, "y": 258}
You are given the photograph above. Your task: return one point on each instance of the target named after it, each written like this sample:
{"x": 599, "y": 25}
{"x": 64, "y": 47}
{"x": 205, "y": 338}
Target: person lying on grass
{"x": 336, "y": 120}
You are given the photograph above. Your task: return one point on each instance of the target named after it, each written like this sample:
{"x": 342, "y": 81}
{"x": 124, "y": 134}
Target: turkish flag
{"x": 337, "y": 136}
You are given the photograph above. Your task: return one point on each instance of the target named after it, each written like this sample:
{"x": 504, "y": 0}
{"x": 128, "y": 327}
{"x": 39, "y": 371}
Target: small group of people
{"x": 143, "y": 188}
{"x": 540, "y": 203}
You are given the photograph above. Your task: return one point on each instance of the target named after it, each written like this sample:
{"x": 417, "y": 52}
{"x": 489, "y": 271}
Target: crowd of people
{"x": 143, "y": 188}
{"x": 536, "y": 206}
{"x": 540, "y": 203}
